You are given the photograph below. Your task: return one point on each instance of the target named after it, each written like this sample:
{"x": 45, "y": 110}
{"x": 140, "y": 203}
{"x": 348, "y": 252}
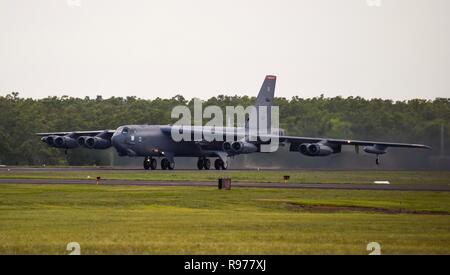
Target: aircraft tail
{"x": 265, "y": 98}
{"x": 266, "y": 93}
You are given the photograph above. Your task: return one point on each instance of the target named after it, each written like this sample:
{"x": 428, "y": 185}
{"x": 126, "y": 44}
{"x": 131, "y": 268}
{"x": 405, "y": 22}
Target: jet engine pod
{"x": 97, "y": 143}
{"x": 243, "y": 147}
{"x": 375, "y": 149}
{"x": 82, "y": 140}
{"x": 49, "y": 139}
{"x": 226, "y": 146}
{"x": 65, "y": 142}
{"x": 315, "y": 149}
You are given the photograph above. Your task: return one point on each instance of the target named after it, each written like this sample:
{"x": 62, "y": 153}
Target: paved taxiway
{"x": 343, "y": 186}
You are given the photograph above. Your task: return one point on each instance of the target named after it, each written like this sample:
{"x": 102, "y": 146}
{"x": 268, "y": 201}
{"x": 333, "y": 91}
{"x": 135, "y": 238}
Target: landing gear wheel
{"x": 218, "y": 164}
{"x": 206, "y": 164}
{"x": 153, "y": 163}
{"x": 200, "y": 164}
{"x": 224, "y": 165}
{"x": 164, "y": 164}
{"x": 147, "y": 163}
{"x": 377, "y": 160}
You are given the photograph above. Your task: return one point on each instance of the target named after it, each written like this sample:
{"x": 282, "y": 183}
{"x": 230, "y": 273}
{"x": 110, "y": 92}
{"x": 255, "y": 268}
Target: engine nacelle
{"x": 82, "y": 140}
{"x": 375, "y": 149}
{"x": 243, "y": 147}
{"x": 226, "y": 146}
{"x": 96, "y": 143}
{"x": 315, "y": 149}
{"x": 49, "y": 140}
{"x": 65, "y": 142}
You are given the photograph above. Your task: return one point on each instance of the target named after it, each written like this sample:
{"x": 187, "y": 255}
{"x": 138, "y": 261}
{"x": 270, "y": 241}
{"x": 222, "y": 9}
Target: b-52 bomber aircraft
{"x": 156, "y": 141}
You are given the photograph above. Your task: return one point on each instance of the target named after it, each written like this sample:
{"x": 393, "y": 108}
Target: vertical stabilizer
{"x": 265, "y": 98}
{"x": 266, "y": 93}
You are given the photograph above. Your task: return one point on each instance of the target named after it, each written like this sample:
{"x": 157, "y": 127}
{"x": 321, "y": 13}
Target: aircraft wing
{"x": 77, "y": 133}
{"x": 296, "y": 141}
{"x": 98, "y": 139}
{"x": 299, "y": 140}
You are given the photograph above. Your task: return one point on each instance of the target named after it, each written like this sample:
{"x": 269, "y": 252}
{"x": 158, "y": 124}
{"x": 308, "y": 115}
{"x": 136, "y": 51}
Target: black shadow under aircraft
{"x": 155, "y": 141}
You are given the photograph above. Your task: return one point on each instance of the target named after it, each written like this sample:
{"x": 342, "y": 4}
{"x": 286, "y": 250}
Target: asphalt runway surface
{"x": 339, "y": 186}
{"x": 140, "y": 169}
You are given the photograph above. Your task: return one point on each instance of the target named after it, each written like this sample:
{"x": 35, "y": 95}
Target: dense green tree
{"x": 353, "y": 117}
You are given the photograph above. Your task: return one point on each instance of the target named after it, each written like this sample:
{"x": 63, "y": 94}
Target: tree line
{"x": 418, "y": 121}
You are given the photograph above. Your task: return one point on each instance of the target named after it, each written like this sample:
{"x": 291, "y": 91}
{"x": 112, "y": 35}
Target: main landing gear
{"x": 150, "y": 163}
{"x": 220, "y": 164}
{"x": 202, "y": 163}
{"x": 205, "y": 163}
{"x": 166, "y": 164}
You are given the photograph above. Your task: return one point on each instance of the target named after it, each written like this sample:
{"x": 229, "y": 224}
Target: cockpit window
{"x": 125, "y": 130}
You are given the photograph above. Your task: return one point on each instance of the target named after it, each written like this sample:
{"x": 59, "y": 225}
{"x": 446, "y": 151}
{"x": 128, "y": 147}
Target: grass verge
{"x": 42, "y": 219}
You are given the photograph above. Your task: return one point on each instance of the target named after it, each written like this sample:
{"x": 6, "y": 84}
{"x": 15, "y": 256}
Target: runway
{"x": 140, "y": 169}
{"x": 339, "y": 186}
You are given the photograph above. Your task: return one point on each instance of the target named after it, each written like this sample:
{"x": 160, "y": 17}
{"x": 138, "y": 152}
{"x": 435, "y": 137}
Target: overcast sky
{"x": 201, "y": 48}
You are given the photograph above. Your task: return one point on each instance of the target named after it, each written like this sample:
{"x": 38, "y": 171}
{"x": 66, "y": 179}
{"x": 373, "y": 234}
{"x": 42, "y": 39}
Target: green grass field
{"x": 42, "y": 219}
{"x": 296, "y": 176}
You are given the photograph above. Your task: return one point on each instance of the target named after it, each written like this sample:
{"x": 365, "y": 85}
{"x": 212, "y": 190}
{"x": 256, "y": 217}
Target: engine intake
{"x": 49, "y": 139}
{"x": 226, "y": 146}
{"x": 96, "y": 142}
{"x": 82, "y": 140}
{"x": 243, "y": 147}
{"x": 315, "y": 149}
{"x": 65, "y": 142}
